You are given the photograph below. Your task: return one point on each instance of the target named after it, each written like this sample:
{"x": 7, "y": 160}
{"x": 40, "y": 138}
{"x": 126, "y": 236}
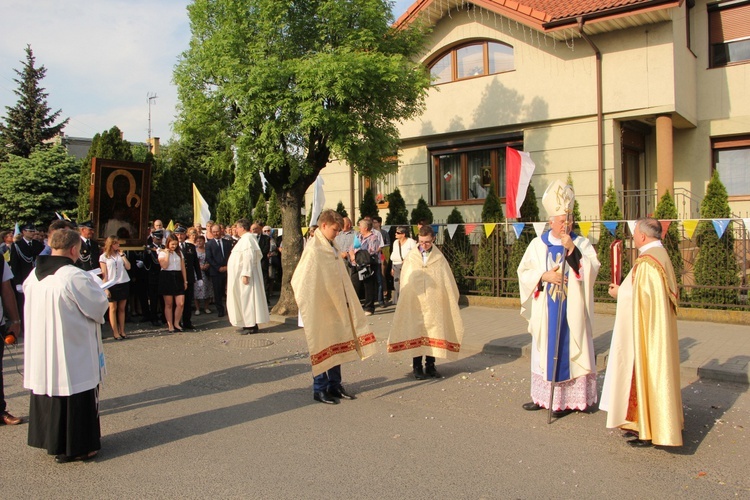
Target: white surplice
{"x": 246, "y": 304}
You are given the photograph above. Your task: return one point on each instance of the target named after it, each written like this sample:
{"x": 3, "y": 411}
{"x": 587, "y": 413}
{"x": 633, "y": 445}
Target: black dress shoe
{"x": 430, "y": 371}
{"x": 629, "y": 434}
{"x": 640, "y": 443}
{"x": 221, "y": 314}
{"x": 254, "y": 329}
{"x": 419, "y": 373}
{"x": 561, "y": 413}
{"x": 531, "y": 406}
{"x": 323, "y": 397}
{"x": 188, "y": 326}
{"x": 243, "y": 331}
{"x": 341, "y": 394}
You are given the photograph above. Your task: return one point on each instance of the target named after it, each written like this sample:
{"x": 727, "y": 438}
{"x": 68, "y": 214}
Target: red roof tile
{"x": 549, "y": 11}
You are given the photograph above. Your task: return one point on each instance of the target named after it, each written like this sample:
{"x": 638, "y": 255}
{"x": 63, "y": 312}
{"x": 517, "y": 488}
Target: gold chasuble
{"x": 335, "y": 324}
{"x": 659, "y": 415}
{"x": 427, "y": 321}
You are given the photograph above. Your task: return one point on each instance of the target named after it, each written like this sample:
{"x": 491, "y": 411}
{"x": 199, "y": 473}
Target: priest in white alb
{"x": 542, "y": 288}
{"x": 641, "y": 393}
{"x": 246, "y": 298}
{"x": 63, "y": 359}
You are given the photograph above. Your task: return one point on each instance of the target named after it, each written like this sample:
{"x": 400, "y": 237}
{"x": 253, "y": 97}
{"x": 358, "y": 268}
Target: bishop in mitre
{"x": 542, "y": 288}
{"x": 641, "y": 393}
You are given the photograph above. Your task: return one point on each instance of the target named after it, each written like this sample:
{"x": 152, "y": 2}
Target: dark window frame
{"x": 496, "y": 149}
{"x": 453, "y": 53}
{"x": 729, "y": 143}
{"x": 735, "y": 14}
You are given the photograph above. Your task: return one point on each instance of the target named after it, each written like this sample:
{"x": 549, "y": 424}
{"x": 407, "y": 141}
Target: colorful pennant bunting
{"x": 517, "y": 228}
{"x": 539, "y": 227}
{"x": 452, "y": 229}
{"x": 611, "y": 225}
{"x": 720, "y": 225}
{"x": 585, "y": 228}
{"x": 690, "y": 226}
{"x": 488, "y": 228}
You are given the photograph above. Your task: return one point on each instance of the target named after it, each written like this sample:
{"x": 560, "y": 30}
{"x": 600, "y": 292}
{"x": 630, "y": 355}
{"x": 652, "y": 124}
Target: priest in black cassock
{"x": 64, "y": 359}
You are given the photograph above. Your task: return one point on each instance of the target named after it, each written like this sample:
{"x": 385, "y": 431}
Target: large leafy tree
{"x": 289, "y": 85}
{"x": 29, "y": 122}
{"x": 36, "y": 187}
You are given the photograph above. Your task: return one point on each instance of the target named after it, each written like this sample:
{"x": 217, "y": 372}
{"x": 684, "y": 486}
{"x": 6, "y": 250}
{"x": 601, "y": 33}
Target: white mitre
{"x": 558, "y": 199}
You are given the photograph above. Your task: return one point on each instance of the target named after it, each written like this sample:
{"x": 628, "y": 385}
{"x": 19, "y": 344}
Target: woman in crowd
{"x": 204, "y": 291}
{"x": 401, "y": 248}
{"x": 115, "y": 266}
{"x": 172, "y": 282}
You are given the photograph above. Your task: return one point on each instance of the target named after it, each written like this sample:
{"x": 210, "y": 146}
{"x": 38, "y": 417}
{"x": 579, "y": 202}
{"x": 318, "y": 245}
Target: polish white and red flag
{"x": 518, "y": 170}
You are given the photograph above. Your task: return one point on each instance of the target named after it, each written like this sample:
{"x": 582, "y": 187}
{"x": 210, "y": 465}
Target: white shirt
{"x": 400, "y": 251}
{"x": 174, "y": 261}
{"x": 115, "y": 268}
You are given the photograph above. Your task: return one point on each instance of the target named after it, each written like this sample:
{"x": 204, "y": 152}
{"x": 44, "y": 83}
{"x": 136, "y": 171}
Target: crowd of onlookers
{"x": 181, "y": 273}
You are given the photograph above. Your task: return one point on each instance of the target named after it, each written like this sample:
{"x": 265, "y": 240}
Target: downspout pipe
{"x": 599, "y": 111}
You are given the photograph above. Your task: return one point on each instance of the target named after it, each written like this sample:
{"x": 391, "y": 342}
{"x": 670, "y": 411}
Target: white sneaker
{"x": 207, "y": 311}
{"x": 197, "y": 312}
{"x": 368, "y": 313}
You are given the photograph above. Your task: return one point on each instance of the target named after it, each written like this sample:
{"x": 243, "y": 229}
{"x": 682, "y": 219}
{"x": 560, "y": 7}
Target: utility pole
{"x": 151, "y": 96}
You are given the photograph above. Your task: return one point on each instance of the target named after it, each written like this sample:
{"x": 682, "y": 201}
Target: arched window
{"x": 472, "y": 60}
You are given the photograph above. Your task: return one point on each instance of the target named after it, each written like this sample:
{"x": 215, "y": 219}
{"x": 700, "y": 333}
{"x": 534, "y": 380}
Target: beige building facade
{"x": 650, "y": 96}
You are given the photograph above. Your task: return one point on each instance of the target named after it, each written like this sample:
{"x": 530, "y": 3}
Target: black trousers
{"x": 428, "y": 361}
{"x": 371, "y": 293}
{"x": 220, "y": 289}
{"x": 187, "y": 311}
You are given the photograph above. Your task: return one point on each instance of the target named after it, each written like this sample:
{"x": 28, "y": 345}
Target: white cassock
{"x": 619, "y": 375}
{"x": 63, "y": 347}
{"x": 246, "y": 304}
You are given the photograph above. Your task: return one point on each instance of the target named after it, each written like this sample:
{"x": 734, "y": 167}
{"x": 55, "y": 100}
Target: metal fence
{"x": 496, "y": 275}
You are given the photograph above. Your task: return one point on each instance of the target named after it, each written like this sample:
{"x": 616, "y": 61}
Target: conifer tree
{"x": 29, "y": 123}
{"x": 576, "y": 207}
{"x": 529, "y": 213}
{"x": 341, "y": 210}
{"x": 260, "y": 213}
{"x": 397, "y": 212}
{"x": 716, "y": 264}
{"x": 274, "y": 211}
{"x": 666, "y": 209}
{"x": 368, "y": 207}
{"x": 421, "y": 212}
{"x": 491, "y": 258}
{"x": 610, "y": 212}
{"x": 457, "y": 250}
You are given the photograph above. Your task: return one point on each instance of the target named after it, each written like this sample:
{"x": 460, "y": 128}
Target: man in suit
{"x": 193, "y": 269}
{"x": 264, "y": 242}
{"x": 23, "y": 254}
{"x": 217, "y": 256}
{"x": 90, "y": 251}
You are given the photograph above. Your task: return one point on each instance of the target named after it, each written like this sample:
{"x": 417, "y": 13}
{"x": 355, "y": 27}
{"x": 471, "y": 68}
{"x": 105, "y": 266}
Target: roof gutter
{"x": 599, "y": 113}
{"x": 625, "y": 9}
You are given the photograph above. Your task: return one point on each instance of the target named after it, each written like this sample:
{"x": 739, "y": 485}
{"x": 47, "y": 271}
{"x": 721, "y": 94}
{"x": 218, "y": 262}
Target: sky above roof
{"x": 103, "y": 59}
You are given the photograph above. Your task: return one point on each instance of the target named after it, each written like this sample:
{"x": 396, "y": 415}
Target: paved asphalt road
{"x": 213, "y": 414}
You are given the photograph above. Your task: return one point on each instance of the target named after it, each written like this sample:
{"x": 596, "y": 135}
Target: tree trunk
{"x": 291, "y": 200}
